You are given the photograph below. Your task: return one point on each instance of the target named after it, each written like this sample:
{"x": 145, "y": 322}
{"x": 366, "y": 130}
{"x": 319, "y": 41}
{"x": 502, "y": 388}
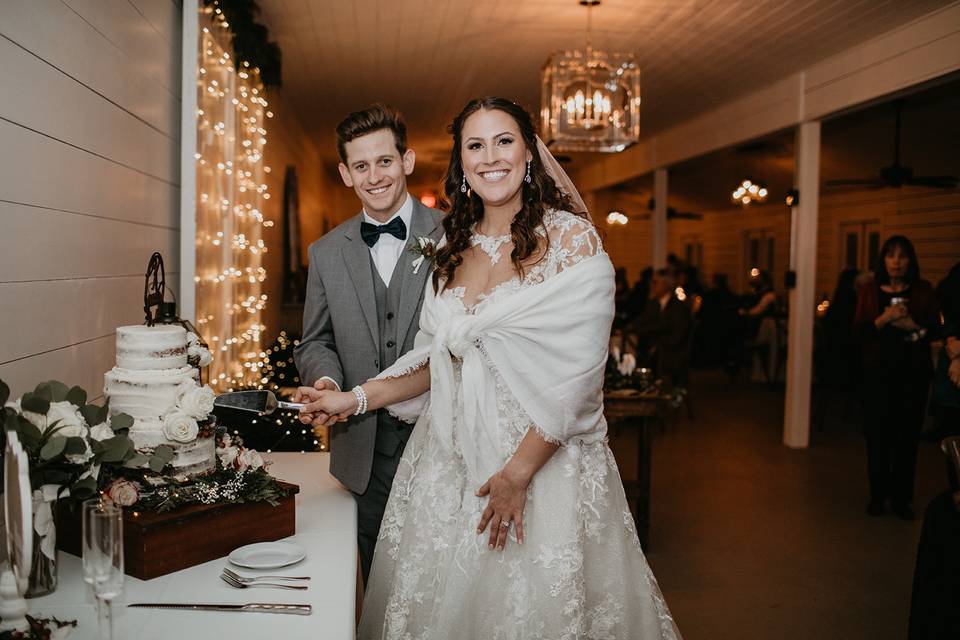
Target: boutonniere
{"x": 425, "y": 248}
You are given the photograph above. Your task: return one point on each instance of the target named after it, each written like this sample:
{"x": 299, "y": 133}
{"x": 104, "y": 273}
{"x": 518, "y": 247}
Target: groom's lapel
{"x": 357, "y": 257}
{"x": 423, "y": 224}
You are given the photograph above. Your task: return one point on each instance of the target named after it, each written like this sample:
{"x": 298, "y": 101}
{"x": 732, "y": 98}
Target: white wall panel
{"x": 82, "y": 364}
{"x": 88, "y": 52}
{"x": 38, "y": 96}
{"x": 32, "y": 310}
{"x": 89, "y": 174}
{"x": 38, "y": 170}
{"x": 43, "y": 244}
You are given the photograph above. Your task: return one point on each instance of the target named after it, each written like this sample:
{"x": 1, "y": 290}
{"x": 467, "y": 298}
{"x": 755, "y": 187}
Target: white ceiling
{"x": 428, "y": 57}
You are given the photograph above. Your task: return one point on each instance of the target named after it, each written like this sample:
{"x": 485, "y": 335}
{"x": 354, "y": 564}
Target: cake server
{"x": 261, "y": 402}
{"x": 258, "y": 607}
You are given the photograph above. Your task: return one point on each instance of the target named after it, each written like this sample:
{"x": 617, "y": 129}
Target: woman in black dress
{"x": 895, "y": 321}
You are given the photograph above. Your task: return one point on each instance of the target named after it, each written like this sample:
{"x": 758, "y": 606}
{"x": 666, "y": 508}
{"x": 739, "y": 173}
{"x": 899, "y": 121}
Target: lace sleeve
{"x": 572, "y": 239}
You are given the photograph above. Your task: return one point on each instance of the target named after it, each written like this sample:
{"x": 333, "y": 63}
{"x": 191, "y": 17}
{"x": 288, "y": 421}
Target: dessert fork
{"x": 239, "y": 578}
{"x": 233, "y": 582}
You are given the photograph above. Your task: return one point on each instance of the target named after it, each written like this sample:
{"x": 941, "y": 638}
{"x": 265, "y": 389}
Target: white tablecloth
{"x": 326, "y": 528}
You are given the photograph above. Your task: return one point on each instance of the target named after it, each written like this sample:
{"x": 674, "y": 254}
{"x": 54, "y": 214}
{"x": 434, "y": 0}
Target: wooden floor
{"x": 751, "y": 540}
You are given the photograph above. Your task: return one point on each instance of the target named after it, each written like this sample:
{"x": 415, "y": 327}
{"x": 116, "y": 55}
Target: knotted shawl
{"x": 549, "y": 344}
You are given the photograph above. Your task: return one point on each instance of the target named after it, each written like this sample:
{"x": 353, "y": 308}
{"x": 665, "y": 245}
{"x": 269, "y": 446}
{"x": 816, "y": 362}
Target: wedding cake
{"x": 155, "y": 383}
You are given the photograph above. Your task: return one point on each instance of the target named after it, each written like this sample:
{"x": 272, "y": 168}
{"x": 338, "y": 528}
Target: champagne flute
{"x": 103, "y": 558}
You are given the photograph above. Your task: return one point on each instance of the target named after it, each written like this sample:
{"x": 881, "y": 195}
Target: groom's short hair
{"x": 373, "y": 118}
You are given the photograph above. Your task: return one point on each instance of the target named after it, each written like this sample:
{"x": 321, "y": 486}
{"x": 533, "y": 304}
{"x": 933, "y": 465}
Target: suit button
{"x": 390, "y": 344}
{"x": 390, "y": 315}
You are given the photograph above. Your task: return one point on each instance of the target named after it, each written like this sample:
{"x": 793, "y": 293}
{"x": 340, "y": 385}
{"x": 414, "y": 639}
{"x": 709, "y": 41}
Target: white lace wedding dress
{"x": 580, "y": 574}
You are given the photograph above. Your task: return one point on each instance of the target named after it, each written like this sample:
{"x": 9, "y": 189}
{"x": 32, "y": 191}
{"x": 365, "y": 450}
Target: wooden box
{"x": 156, "y": 544}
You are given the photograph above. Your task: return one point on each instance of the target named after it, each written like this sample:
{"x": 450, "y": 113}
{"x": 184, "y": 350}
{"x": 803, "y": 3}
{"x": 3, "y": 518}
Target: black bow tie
{"x": 371, "y": 232}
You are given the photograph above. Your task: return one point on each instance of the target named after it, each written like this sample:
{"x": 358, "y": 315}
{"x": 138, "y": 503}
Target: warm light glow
{"x": 748, "y": 193}
{"x": 754, "y": 273}
{"x": 429, "y": 199}
{"x": 615, "y": 217}
{"x": 231, "y": 192}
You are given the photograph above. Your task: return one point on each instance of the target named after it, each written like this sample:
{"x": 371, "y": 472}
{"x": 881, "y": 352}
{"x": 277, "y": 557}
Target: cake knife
{"x": 261, "y": 402}
{"x": 257, "y": 607}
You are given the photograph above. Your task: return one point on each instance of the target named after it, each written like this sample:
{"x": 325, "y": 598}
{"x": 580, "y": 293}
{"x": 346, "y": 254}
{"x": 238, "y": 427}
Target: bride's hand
{"x": 508, "y": 496}
{"x": 328, "y": 407}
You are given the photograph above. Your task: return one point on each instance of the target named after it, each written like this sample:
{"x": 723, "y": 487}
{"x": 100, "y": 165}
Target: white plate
{"x": 267, "y": 555}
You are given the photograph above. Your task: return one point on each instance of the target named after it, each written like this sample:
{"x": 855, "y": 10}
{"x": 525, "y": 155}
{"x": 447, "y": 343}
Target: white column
{"x": 803, "y": 260}
{"x": 658, "y": 239}
{"x": 187, "y": 291}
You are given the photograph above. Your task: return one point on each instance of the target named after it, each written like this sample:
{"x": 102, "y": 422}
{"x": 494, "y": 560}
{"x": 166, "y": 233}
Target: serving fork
{"x": 239, "y": 578}
{"x": 233, "y": 582}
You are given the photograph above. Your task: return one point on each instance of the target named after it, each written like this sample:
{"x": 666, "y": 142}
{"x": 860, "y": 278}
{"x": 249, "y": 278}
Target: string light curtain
{"x": 231, "y": 191}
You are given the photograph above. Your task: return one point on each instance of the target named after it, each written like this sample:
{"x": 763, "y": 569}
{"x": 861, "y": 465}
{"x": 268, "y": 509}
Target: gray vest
{"x": 391, "y": 433}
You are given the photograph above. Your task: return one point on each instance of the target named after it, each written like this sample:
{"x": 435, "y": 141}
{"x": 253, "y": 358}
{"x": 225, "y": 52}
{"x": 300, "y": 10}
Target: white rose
{"x": 249, "y": 459}
{"x": 101, "y": 432}
{"x": 227, "y": 455}
{"x": 68, "y": 419}
{"x": 180, "y": 427}
{"x": 196, "y": 401}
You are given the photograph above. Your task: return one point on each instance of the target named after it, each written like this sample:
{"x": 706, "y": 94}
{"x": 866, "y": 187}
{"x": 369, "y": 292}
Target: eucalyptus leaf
{"x": 90, "y": 413}
{"x": 4, "y": 393}
{"x": 165, "y": 452}
{"x": 75, "y": 446}
{"x": 97, "y": 447}
{"x": 116, "y": 448}
{"x": 104, "y": 412}
{"x": 44, "y": 391}
{"x": 77, "y": 396}
{"x": 53, "y": 448}
{"x": 35, "y": 403}
{"x": 29, "y": 434}
{"x": 58, "y": 390}
{"x": 157, "y": 463}
{"x": 121, "y": 421}
{"x": 137, "y": 460}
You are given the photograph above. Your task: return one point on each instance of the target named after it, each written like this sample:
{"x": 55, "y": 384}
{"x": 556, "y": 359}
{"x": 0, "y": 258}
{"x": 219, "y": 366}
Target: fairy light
{"x": 232, "y": 189}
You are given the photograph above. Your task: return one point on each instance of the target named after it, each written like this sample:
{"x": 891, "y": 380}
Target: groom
{"x": 363, "y": 306}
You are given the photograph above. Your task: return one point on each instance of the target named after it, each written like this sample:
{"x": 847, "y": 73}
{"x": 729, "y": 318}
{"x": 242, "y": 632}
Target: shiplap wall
{"x": 929, "y": 217}
{"x": 89, "y": 128}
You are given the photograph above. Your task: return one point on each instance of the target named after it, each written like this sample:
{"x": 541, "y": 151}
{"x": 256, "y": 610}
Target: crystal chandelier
{"x": 590, "y": 99}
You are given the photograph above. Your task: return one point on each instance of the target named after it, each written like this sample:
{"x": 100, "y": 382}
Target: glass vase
{"x": 43, "y": 570}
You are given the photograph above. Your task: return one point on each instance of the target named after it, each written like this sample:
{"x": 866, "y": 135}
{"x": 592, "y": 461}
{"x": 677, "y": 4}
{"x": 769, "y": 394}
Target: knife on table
{"x": 257, "y": 607}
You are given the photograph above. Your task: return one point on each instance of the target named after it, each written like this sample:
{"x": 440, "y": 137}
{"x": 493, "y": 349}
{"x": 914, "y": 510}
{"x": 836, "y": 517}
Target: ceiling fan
{"x": 672, "y": 214}
{"x": 897, "y": 175}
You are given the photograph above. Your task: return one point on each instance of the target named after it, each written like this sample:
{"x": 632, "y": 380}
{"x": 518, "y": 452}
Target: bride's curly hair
{"x": 466, "y": 209}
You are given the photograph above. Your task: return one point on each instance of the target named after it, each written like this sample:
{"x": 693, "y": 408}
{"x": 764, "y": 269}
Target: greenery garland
{"x": 41, "y": 629}
{"x": 250, "y": 39}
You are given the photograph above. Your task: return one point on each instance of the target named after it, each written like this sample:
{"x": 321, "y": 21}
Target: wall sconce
{"x": 793, "y": 198}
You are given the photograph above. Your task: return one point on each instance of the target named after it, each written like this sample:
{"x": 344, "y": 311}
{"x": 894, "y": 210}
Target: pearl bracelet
{"x": 361, "y": 396}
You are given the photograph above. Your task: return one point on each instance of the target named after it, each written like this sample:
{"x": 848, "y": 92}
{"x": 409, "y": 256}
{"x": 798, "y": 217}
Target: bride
{"x": 507, "y": 518}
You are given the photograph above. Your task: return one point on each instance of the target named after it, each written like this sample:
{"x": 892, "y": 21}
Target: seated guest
{"x": 665, "y": 328}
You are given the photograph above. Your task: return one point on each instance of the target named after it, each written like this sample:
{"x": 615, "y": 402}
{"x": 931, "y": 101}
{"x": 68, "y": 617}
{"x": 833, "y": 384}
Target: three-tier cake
{"x": 154, "y": 383}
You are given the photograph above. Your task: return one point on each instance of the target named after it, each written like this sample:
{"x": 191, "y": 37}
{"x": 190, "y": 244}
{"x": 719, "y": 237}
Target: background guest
{"x": 761, "y": 328}
{"x": 664, "y": 330}
{"x": 895, "y": 318}
{"x": 839, "y": 350}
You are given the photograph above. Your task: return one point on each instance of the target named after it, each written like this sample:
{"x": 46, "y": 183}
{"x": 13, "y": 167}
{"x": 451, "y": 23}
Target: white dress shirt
{"x": 388, "y": 249}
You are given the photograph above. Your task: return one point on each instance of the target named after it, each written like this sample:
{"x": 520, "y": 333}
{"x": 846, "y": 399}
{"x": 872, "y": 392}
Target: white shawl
{"x": 549, "y": 343}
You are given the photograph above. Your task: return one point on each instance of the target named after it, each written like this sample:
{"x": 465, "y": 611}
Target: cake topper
{"x": 154, "y": 286}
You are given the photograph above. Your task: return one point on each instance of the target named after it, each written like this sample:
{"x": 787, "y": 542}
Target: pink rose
{"x": 123, "y": 492}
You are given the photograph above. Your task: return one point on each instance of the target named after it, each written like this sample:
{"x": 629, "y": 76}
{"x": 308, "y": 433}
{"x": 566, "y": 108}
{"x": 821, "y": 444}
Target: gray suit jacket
{"x": 341, "y": 334}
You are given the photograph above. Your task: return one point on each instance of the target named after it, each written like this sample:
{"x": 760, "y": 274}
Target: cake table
{"x": 326, "y": 528}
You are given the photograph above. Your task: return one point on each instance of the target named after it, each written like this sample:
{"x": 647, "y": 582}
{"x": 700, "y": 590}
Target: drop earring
{"x": 463, "y": 185}
{"x": 527, "y": 178}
